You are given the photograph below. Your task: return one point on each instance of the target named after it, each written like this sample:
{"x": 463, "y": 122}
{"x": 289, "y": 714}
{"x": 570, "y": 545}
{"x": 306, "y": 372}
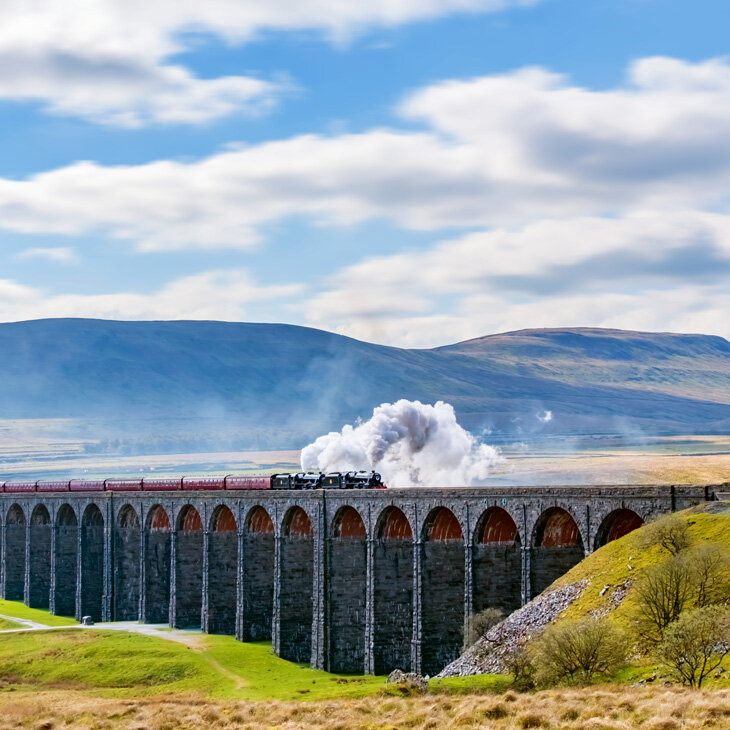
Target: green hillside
{"x": 614, "y": 567}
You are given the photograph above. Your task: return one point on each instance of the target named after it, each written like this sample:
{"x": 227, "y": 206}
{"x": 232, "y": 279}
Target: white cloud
{"x": 685, "y": 309}
{"x": 107, "y": 60}
{"x": 496, "y": 151}
{"x": 219, "y": 295}
{"x": 572, "y": 253}
{"x": 128, "y": 92}
{"x": 649, "y": 270}
{"x": 58, "y": 254}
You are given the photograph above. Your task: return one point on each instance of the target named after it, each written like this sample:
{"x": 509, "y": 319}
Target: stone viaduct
{"x": 349, "y": 580}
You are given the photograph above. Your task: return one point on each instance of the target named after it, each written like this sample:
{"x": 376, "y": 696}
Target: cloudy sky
{"x": 411, "y": 172}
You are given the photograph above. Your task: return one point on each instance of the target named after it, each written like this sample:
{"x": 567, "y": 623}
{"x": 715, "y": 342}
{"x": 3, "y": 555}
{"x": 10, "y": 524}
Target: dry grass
{"x": 594, "y": 708}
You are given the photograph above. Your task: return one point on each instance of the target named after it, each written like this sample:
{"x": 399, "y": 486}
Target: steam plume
{"x": 410, "y": 443}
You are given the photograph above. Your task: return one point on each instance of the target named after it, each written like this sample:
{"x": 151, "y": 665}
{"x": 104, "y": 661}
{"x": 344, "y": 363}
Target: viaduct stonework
{"x": 349, "y": 580}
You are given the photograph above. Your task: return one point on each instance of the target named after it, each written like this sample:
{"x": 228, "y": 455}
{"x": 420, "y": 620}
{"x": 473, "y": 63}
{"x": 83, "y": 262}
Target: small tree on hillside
{"x": 710, "y": 565}
{"x": 670, "y": 532}
{"x": 661, "y": 593}
{"x": 577, "y": 651}
{"x": 478, "y": 624}
{"x": 695, "y": 644}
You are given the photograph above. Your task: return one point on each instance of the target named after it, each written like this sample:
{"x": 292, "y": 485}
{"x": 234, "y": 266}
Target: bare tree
{"x": 695, "y": 644}
{"x": 662, "y": 592}
{"x": 710, "y": 565}
{"x": 478, "y": 624}
{"x": 670, "y": 532}
{"x": 577, "y": 651}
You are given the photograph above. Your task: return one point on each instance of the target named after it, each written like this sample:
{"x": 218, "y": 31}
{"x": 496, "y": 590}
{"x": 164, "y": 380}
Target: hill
{"x": 278, "y": 385}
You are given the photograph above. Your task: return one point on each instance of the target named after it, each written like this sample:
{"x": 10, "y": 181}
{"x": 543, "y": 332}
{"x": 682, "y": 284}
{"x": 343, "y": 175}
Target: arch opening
{"x": 617, "y": 524}
{"x": 557, "y": 547}
{"x": 222, "y": 572}
{"x": 127, "y": 550}
{"x": 258, "y": 576}
{"x": 188, "y": 604}
{"x": 497, "y": 562}
{"x": 39, "y": 558}
{"x": 92, "y": 563}
{"x": 64, "y": 587}
{"x": 297, "y": 575}
{"x": 156, "y": 604}
{"x": 346, "y": 593}
{"x": 15, "y": 554}
{"x": 393, "y": 592}
{"x": 442, "y": 597}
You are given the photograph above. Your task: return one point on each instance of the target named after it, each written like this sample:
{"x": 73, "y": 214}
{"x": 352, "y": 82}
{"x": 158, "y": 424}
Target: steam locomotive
{"x": 302, "y": 480}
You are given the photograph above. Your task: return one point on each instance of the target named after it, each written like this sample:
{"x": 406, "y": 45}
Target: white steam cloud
{"x": 410, "y": 443}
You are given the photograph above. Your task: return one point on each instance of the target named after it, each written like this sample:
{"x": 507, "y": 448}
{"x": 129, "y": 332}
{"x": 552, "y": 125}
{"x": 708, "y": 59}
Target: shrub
{"x": 477, "y": 625}
{"x": 695, "y": 644}
{"x": 662, "y": 592}
{"x": 670, "y": 532}
{"x": 577, "y": 651}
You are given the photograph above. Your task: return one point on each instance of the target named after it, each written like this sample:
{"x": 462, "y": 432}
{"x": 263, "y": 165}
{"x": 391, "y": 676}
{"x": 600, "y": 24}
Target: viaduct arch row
{"x": 350, "y": 580}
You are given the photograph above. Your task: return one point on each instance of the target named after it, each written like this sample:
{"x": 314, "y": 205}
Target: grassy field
{"x": 593, "y": 708}
{"x": 16, "y": 609}
{"x": 120, "y": 664}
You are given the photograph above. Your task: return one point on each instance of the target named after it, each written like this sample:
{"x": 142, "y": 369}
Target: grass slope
{"x": 120, "y": 664}
{"x": 16, "y": 609}
{"x": 614, "y": 566}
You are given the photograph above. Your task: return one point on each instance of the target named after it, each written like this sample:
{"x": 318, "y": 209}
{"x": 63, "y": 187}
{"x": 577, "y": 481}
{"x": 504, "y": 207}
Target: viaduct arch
{"x": 347, "y": 580}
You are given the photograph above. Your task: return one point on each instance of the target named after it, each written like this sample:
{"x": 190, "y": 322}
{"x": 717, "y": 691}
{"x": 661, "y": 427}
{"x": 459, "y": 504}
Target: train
{"x": 301, "y": 480}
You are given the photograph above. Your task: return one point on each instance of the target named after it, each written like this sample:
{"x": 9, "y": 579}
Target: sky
{"x": 407, "y": 172}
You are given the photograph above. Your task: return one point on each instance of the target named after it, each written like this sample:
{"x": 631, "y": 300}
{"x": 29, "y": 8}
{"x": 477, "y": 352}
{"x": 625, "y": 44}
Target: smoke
{"x": 410, "y": 443}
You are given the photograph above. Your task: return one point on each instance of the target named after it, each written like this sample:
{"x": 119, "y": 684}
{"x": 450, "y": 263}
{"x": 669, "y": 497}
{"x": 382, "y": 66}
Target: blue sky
{"x": 405, "y": 172}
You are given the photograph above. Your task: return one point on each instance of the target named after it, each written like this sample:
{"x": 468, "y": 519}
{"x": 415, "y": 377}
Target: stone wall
{"x": 497, "y": 577}
{"x": 188, "y": 579}
{"x": 126, "y": 573}
{"x": 547, "y": 564}
{"x": 92, "y": 571}
{"x": 442, "y": 603}
{"x": 222, "y": 568}
{"x": 346, "y": 602}
{"x": 39, "y": 566}
{"x": 14, "y": 561}
{"x": 297, "y": 571}
{"x": 157, "y": 577}
{"x": 67, "y": 537}
{"x": 393, "y": 605}
{"x": 258, "y": 586}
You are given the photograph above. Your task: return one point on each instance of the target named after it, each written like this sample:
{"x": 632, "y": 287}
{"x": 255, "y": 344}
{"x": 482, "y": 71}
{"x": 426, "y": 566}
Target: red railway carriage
{"x": 161, "y": 485}
{"x": 203, "y": 483}
{"x": 19, "y": 487}
{"x": 52, "y": 486}
{"x": 86, "y": 485}
{"x": 240, "y": 482}
{"x": 123, "y": 485}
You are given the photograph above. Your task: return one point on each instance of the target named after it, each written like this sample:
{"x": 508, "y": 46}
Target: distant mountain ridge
{"x": 250, "y": 377}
